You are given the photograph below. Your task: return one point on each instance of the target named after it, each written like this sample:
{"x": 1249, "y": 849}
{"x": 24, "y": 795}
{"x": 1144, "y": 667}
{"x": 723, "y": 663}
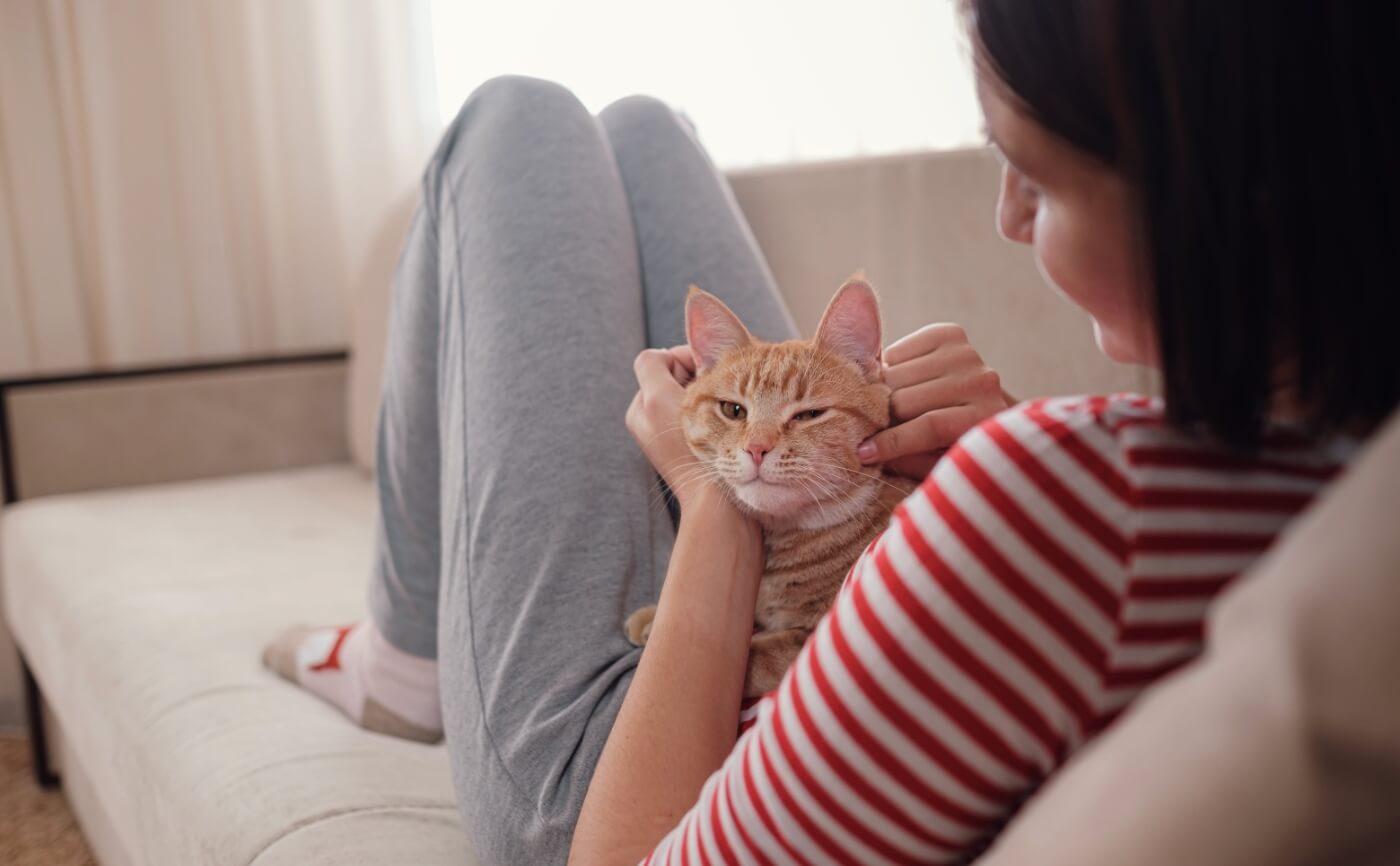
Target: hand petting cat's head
{"x": 779, "y": 423}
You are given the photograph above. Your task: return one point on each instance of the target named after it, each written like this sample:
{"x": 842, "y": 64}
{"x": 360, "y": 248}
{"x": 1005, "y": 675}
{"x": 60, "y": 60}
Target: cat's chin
{"x": 784, "y": 506}
{"x": 772, "y": 501}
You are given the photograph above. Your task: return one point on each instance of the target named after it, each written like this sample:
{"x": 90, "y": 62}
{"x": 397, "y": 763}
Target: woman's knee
{"x": 641, "y": 114}
{"x": 512, "y": 110}
{"x": 515, "y": 95}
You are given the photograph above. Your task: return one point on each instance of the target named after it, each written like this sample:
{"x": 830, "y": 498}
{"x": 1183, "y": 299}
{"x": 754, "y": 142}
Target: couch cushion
{"x": 143, "y": 612}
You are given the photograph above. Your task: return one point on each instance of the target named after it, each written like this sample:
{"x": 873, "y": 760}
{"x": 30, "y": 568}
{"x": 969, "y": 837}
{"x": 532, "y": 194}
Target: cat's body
{"x": 802, "y": 573}
{"x": 778, "y": 424}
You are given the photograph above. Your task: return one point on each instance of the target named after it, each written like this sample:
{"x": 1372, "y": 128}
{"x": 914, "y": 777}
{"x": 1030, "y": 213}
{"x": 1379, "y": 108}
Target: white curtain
{"x": 184, "y": 180}
{"x": 192, "y": 179}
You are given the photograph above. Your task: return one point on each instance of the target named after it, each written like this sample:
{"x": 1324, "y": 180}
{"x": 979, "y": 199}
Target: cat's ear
{"x": 851, "y": 325}
{"x": 712, "y": 328}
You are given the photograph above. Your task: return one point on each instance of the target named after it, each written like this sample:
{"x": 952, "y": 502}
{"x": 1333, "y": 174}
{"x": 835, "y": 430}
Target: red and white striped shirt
{"x": 1059, "y": 559}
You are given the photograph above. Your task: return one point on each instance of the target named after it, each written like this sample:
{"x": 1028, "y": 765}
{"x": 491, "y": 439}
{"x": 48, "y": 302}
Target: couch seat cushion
{"x": 143, "y": 613}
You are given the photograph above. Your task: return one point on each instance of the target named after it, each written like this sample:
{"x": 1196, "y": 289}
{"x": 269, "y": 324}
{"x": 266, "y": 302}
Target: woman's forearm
{"x": 679, "y": 719}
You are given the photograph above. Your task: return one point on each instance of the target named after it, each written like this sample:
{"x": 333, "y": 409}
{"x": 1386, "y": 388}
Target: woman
{"x": 1216, "y": 217}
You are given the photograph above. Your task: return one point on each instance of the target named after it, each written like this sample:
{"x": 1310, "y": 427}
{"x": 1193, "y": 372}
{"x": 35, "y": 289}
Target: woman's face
{"x": 1074, "y": 213}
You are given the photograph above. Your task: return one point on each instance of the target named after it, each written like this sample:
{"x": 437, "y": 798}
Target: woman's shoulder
{"x": 1056, "y": 463}
{"x": 1088, "y": 434}
{"x": 1103, "y": 458}
{"x": 1128, "y": 443}
{"x": 1111, "y": 415}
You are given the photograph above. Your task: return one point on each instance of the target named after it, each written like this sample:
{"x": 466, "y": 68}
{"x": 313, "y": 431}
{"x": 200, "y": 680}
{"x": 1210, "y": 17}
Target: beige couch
{"x": 141, "y": 609}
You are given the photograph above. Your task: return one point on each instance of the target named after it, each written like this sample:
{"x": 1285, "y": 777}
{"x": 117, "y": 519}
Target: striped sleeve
{"x": 962, "y": 661}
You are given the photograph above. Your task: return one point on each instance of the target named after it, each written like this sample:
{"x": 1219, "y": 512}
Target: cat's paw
{"x": 638, "y": 625}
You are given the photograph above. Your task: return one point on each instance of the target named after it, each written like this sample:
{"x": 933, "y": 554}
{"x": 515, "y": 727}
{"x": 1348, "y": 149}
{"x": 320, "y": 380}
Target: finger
{"x": 682, "y": 364}
{"x": 685, "y": 355}
{"x": 979, "y": 387}
{"x": 653, "y": 369}
{"x": 947, "y": 358}
{"x": 932, "y": 431}
{"x": 923, "y": 341}
{"x": 910, "y": 402}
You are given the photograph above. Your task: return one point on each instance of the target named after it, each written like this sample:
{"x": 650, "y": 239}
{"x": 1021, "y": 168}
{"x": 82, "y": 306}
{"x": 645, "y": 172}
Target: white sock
{"x": 380, "y": 687}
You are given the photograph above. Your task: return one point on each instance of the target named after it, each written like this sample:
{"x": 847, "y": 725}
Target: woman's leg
{"x": 689, "y": 228}
{"x": 508, "y": 483}
{"x": 520, "y": 523}
{"x": 551, "y": 526}
{"x": 558, "y": 531}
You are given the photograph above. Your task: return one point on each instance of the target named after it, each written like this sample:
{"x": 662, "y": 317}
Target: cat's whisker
{"x": 692, "y": 472}
{"x": 684, "y": 469}
{"x": 828, "y": 485}
{"x": 872, "y": 475}
{"x": 877, "y": 478}
{"x": 695, "y": 473}
{"x": 661, "y": 433}
{"x": 831, "y": 489}
{"x": 815, "y": 498}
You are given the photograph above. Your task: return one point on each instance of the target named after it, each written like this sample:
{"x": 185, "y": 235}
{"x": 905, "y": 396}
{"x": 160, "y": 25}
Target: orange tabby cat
{"x": 778, "y": 425}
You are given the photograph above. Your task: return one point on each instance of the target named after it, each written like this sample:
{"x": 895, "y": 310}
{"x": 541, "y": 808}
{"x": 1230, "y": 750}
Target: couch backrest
{"x": 920, "y": 225}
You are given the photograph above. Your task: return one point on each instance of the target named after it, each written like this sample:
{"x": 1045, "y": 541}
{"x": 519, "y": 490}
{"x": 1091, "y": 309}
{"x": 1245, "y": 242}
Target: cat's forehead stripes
{"x": 792, "y": 372}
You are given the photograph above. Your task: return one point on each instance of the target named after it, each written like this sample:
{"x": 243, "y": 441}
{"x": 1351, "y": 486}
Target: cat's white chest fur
{"x": 828, "y": 513}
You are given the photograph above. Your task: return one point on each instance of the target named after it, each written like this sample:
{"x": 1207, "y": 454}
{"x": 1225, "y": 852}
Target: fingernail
{"x": 866, "y": 451}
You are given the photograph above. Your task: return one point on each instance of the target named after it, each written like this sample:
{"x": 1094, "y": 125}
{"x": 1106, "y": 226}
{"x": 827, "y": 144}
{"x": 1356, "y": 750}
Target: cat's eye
{"x": 732, "y": 411}
{"x": 809, "y": 415}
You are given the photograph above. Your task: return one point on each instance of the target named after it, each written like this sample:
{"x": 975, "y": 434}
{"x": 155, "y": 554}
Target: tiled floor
{"x": 36, "y": 828}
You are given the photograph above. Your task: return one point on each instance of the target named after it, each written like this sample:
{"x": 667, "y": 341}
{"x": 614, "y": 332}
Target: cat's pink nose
{"x": 758, "y": 450}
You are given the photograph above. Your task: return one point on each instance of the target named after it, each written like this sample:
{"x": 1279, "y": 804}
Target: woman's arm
{"x": 678, "y": 721}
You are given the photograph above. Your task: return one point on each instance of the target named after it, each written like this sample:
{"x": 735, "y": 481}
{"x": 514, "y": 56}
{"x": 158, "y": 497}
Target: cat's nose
{"x": 758, "y": 450}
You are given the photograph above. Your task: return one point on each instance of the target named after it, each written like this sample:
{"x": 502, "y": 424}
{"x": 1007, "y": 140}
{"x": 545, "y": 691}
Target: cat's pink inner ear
{"x": 712, "y": 328}
{"x": 850, "y": 326}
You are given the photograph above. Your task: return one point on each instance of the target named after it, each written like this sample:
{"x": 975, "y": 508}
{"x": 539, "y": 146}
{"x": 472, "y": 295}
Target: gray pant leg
{"x": 689, "y": 227}
{"x": 524, "y": 313}
{"x": 403, "y": 594}
{"x": 552, "y": 526}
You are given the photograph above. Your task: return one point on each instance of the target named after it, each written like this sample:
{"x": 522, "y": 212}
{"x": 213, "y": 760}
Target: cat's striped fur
{"x": 787, "y": 455}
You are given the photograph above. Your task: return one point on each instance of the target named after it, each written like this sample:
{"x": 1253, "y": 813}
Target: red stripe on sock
{"x": 332, "y": 662}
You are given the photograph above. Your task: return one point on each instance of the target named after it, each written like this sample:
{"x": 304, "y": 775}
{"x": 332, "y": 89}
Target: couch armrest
{"x": 116, "y": 429}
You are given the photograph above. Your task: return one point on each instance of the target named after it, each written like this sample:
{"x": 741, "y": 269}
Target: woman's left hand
{"x": 940, "y": 389}
{"x": 654, "y": 418}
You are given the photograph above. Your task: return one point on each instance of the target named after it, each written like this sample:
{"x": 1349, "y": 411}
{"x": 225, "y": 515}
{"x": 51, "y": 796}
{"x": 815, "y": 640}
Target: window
{"x": 764, "y": 81}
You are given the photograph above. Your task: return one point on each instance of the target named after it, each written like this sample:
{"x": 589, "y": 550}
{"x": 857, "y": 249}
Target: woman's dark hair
{"x": 1259, "y": 142}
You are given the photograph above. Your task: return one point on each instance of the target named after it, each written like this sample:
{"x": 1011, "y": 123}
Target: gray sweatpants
{"x": 519, "y": 523}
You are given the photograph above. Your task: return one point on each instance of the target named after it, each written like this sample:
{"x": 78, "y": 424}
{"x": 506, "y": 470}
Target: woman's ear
{"x": 1015, "y": 208}
{"x": 851, "y": 325}
{"x": 711, "y": 328}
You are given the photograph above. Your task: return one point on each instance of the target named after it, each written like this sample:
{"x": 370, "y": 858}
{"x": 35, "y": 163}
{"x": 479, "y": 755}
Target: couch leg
{"x": 38, "y": 740}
